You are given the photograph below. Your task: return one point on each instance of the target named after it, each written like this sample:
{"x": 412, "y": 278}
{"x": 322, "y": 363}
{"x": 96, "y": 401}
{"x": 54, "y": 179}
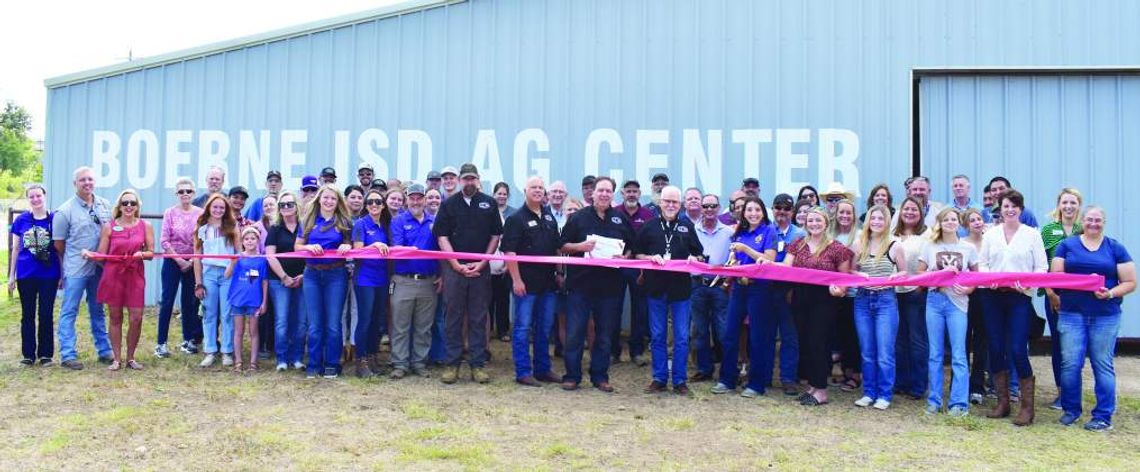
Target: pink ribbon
{"x": 776, "y": 272}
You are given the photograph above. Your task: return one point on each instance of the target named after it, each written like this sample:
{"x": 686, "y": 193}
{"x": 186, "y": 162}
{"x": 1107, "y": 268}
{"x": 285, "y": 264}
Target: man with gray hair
{"x": 215, "y": 179}
{"x": 557, "y": 195}
{"x": 75, "y": 228}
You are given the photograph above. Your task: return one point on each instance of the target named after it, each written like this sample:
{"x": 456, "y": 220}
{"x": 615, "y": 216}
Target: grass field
{"x": 176, "y": 416}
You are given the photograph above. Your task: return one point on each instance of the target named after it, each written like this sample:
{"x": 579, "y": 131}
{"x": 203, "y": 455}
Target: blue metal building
{"x": 794, "y": 92}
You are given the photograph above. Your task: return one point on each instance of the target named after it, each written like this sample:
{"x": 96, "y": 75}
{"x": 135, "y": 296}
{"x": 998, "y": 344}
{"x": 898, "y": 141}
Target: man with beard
{"x": 659, "y": 181}
{"x": 588, "y": 189}
{"x": 414, "y": 286}
{"x": 272, "y": 187}
{"x": 434, "y": 181}
{"x": 637, "y": 215}
{"x": 663, "y": 239}
{"x": 594, "y": 291}
{"x": 729, "y": 217}
{"x": 467, "y": 222}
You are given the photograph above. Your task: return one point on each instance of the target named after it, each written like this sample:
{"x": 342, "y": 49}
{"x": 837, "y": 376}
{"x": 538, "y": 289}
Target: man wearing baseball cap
{"x": 751, "y": 187}
{"x": 588, "y": 189}
{"x": 434, "y": 180}
{"x": 413, "y": 287}
{"x": 450, "y": 180}
{"x": 467, "y": 222}
{"x": 238, "y": 196}
{"x": 328, "y": 176}
{"x": 783, "y": 211}
{"x": 659, "y": 181}
{"x": 364, "y": 174}
{"x": 309, "y": 187}
{"x": 253, "y": 210}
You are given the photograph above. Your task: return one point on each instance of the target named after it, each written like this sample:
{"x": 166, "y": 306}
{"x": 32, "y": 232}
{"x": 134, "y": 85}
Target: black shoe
{"x": 27, "y": 362}
{"x": 330, "y": 373}
{"x": 656, "y": 387}
{"x": 72, "y": 364}
{"x": 701, "y": 377}
{"x": 106, "y": 360}
{"x": 681, "y": 389}
{"x": 45, "y": 362}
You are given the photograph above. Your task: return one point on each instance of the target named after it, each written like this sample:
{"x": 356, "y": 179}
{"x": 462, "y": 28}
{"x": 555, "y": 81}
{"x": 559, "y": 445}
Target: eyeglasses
{"x": 186, "y": 191}
{"x": 710, "y": 206}
{"x": 782, "y": 208}
{"x": 374, "y": 201}
{"x": 834, "y": 199}
{"x": 129, "y": 203}
{"x": 284, "y": 205}
{"x": 309, "y": 190}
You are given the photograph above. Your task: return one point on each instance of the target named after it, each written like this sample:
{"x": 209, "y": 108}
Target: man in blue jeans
{"x": 709, "y": 303}
{"x": 664, "y": 239}
{"x": 75, "y": 228}
{"x": 532, "y": 231}
{"x": 594, "y": 291}
{"x": 783, "y": 213}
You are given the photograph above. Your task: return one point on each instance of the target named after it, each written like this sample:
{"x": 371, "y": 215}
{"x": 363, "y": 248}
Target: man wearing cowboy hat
{"x": 834, "y": 194}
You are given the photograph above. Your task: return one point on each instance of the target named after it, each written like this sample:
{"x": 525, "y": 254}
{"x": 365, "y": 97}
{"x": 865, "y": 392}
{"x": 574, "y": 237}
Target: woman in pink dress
{"x": 123, "y": 284}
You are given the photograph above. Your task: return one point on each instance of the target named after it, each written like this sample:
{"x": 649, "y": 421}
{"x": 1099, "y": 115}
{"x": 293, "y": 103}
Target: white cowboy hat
{"x": 836, "y": 188}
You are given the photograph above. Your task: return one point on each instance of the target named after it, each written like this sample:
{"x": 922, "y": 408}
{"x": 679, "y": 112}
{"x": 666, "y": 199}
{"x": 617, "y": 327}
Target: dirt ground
{"x": 176, "y": 416}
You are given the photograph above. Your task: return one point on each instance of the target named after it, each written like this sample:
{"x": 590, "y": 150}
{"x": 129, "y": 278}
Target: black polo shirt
{"x": 528, "y": 234}
{"x": 674, "y": 286}
{"x": 600, "y": 281}
{"x": 469, "y": 227}
{"x": 283, "y": 240}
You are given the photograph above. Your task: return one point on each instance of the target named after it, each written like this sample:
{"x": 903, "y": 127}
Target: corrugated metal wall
{"x": 572, "y": 66}
{"x": 1043, "y": 133}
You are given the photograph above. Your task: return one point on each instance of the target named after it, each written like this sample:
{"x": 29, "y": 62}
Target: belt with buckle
{"x": 417, "y": 276}
{"x": 703, "y": 280}
{"x": 331, "y": 265}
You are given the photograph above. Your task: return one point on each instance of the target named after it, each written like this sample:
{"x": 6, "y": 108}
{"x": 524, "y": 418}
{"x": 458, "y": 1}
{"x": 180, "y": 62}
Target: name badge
{"x": 532, "y": 223}
{"x": 116, "y": 228}
{"x": 780, "y": 246}
{"x": 1058, "y": 232}
{"x": 251, "y": 273}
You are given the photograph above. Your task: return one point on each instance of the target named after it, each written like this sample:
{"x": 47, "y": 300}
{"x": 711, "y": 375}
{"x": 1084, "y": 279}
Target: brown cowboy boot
{"x": 1025, "y": 413}
{"x": 1001, "y": 384}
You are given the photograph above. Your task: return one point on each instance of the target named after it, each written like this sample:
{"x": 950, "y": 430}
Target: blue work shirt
{"x": 786, "y": 238}
{"x": 406, "y": 231}
{"x": 325, "y": 233}
{"x": 370, "y": 272}
{"x": 760, "y": 238}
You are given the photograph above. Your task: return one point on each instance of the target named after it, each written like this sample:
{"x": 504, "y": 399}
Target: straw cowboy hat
{"x": 836, "y": 188}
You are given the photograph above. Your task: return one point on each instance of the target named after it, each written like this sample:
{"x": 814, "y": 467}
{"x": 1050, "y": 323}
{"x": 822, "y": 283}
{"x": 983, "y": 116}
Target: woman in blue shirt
{"x": 371, "y": 231}
{"x": 754, "y": 242}
{"x": 35, "y": 273}
{"x": 1089, "y": 322}
{"x": 327, "y": 226}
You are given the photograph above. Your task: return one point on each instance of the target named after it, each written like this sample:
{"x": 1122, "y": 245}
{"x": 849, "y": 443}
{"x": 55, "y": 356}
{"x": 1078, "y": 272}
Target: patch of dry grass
{"x": 176, "y": 415}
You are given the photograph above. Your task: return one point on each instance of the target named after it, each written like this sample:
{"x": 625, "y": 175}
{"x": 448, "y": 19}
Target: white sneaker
{"x": 881, "y": 404}
{"x": 161, "y": 351}
{"x": 208, "y": 360}
{"x": 227, "y": 360}
{"x": 719, "y": 388}
{"x": 281, "y": 366}
{"x": 298, "y": 365}
{"x": 864, "y": 402}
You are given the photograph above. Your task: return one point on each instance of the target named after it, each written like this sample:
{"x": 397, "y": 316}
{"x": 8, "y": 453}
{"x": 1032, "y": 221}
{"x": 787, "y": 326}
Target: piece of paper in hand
{"x": 605, "y": 247}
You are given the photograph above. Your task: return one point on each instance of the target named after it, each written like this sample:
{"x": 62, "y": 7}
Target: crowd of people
{"x": 314, "y": 313}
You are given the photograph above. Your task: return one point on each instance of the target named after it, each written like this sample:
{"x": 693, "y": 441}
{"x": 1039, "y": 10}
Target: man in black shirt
{"x": 467, "y": 222}
{"x": 532, "y": 231}
{"x": 663, "y": 239}
{"x": 594, "y": 291}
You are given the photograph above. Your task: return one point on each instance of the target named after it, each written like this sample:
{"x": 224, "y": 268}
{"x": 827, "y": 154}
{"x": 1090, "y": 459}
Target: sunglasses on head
{"x": 374, "y": 201}
{"x": 186, "y": 191}
{"x": 710, "y": 206}
{"x": 287, "y": 204}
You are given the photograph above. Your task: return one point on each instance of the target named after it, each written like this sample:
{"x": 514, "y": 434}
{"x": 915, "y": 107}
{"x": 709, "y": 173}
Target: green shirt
{"x": 1053, "y": 233}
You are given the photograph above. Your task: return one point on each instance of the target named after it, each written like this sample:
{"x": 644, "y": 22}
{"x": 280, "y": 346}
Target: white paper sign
{"x": 604, "y": 247}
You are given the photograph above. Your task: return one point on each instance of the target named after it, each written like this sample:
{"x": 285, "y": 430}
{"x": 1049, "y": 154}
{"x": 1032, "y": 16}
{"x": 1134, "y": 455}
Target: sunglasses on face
{"x": 284, "y": 205}
{"x": 186, "y": 191}
{"x": 710, "y": 206}
{"x": 94, "y": 217}
{"x": 129, "y": 203}
{"x": 374, "y": 201}
{"x": 782, "y": 208}
{"x": 834, "y": 199}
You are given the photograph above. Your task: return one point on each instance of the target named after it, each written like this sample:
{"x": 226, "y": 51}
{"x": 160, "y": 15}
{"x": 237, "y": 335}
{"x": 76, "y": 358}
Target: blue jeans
{"x": 789, "y": 339}
{"x": 172, "y": 278}
{"x": 73, "y": 290}
{"x": 606, "y": 312}
{"x": 371, "y": 318}
{"x": 534, "y": 315}
{"x": 912, "y": 348}
{"x": 1095, "y": 336}
{"x": 944, "y": 319}
{"x": 877, "y": 322}
{"x": 325, "y": 292}
{"x": 288, "y": 337}
{"x": 1007, "y": 324}
{"x": 638, "y": 317}
{"x": 216, "y": 307}
{"x": 659, "y": 309}
{"x": 749, "y": 301}
{"x": 709, "y": 311}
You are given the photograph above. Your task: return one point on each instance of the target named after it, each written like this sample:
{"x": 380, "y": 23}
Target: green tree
{"x": 17, "y": 151}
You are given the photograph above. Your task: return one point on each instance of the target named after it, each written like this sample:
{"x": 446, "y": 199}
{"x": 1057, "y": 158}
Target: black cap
{"x": 328, "y": 172}
{"x": 588, "y": 180}
{"x": 660, "y": 176}
{"x": 783, "y": 199}
{"x": 239, "y": 189}
{"x": 632, "y": 182}
{"x": 273, "y": 174}
{"x": 468, "y": 169}
{"x": 750, "y": 181}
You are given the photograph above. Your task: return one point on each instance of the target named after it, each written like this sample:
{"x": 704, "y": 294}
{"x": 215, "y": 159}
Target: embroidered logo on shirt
{"x": 548, "y": 218}
{"x": 408, "y": 227}
{"x": 616, "y": 220}
{"x": 682, "y": 229}
{"x": 484, "y": 205}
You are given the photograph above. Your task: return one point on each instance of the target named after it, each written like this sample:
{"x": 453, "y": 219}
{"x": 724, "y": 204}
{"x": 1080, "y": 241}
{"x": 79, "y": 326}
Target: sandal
{"x": 811, "y": 400}
{"x": 114, "y": 366}
{"x": 253, "y": 367}
{"x": 237, "y": 367}
{"x": 134, "y": 365}
{"x": 849, "y": 384}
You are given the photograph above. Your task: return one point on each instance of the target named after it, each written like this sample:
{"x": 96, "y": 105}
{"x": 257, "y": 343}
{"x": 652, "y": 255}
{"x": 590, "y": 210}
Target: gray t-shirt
{"x": 940, "y": 255}
{"x": 78, "y": 225}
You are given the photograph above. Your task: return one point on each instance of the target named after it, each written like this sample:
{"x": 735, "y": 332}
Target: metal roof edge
{"x": 409, "y": 6}
{"x": 1025, "y": 69}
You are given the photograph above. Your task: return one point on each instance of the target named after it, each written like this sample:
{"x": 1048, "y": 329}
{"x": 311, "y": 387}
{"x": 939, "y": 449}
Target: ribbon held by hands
{"x": 776, "y": 272}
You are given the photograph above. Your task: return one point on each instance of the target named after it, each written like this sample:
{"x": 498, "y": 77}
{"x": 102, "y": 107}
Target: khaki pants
{"x": 413, "y": 312}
